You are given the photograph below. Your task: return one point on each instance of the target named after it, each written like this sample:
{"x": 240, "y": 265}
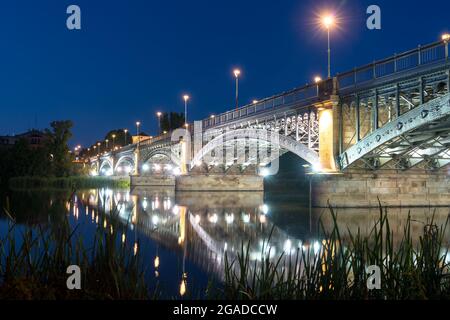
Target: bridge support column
{"x": 328, "y": 114}
{"x": 184, "y": 157}
{"x": 136, "y": 162}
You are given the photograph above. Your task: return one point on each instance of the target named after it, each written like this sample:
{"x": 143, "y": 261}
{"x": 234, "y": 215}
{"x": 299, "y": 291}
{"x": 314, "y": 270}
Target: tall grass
{"x": 338, "y": 269}
{"x": 34, "y": 261}
{"x": 69, "y": 183}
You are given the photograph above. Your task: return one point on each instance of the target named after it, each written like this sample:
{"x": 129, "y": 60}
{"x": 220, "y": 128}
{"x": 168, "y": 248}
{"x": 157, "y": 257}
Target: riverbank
{"x": 75, "y": 182}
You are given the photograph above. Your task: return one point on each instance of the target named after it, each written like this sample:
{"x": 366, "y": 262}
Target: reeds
{"x": 34, "y": 261}
{"x": 69, "y": 183}
{"x": 338, "y": 270}
{"x": 33, "y": 266}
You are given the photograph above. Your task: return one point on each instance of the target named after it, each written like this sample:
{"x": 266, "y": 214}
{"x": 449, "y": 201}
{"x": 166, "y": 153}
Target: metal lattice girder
{"x": 277, "y": 141}
{"x": 399, "y": 138}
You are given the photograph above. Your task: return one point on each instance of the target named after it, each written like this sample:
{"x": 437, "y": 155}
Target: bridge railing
{"x": 162, "y": 137}
{"x": 301, "y": 95}
{"x": 423, "y": 55}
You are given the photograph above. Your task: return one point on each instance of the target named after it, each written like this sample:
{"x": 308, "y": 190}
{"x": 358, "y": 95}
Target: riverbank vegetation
{"x": 34, "y": 262}
{"x": 49, "y": 159}
{"x": 69, "y": 183}
{"x": 339, "y": 269}
{"x": 33, "y": 266}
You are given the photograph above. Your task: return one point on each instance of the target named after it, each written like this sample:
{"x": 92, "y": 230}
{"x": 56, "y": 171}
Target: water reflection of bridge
{"x": 204, "y": 226}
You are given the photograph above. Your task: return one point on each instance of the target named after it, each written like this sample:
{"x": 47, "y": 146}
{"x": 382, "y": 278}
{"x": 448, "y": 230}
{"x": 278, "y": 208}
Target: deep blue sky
{"x": 135, "y": 57}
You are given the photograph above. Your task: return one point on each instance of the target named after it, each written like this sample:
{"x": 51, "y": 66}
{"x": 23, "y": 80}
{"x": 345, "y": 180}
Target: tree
{"x": 121, "y": 138}
{"x": 58, "y": 149}
{"x": 171, "y": 121}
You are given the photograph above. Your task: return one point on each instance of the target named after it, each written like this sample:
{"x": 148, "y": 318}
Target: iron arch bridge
{"x": 389, "y": 114}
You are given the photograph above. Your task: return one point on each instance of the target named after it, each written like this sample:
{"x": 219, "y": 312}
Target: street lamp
{"x": 138, "y": 124}
{"x": 317, "y": 79}
{"x": 99, "y": 147}
{"x": 185, "y": 98}
{"x": 237, "y": 72}
{"x": 159, "y": 114}
{"x": 114, "y": 140}
{"x": 446, "y": 37}
{"x": 125, "y": 131}
{"x": 106, "y": 142}
{"x": 328, "y": 22}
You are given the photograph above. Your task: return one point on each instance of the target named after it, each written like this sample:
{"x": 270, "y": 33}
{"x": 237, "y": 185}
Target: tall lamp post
{"x": 328, "y": 22}
{"x": 125, "y": 131}
{"x": 138, "y": 125}
{"x": 114, "y": 141}
{"x": 237, "y": 72}
{"x": 159, "y": 114}
{"x": 185, "y": 98}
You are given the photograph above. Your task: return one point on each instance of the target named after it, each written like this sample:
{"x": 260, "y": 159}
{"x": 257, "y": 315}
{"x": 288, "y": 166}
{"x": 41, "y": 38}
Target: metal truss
{"x": 418, "y": 138}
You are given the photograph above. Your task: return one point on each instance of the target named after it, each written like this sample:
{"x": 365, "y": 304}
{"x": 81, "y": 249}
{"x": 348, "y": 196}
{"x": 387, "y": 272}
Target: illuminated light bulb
{"x": 262, "y": 218}
{"x": 328, "y": 21}
{"x": 287, "y": 245}
{"x": 317, "y": 167}
{"x": 265, "y": 209}
{"x": 229, "y": 218}
{"x": 144, "y": 204}
{"x": 214, "y": 218}
{"x": 156, "y": 262}
{"x": 183, "y": 287}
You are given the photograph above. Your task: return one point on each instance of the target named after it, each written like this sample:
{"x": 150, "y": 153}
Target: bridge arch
{"x": 272, "y": 138}
{"x": 165, "y": 153}
{"x": 127, "y": 160}
{"x": 105, "y": 164}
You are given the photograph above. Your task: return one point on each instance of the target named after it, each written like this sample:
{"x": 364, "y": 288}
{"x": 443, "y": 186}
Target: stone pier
{"x": 219, "y": 182}
{"x": 155, "y": 180}
{"x": 203, "y": 182}
{"x": 393, "y": 188}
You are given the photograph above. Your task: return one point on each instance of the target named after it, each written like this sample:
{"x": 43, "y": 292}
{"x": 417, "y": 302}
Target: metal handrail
{"x": 373, "y": 71}
{"x": 310, "y": 91}
{"x": 397, "y": 63}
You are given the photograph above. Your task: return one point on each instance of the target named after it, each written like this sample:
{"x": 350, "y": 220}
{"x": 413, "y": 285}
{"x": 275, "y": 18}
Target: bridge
{"x": 385, "y": 120}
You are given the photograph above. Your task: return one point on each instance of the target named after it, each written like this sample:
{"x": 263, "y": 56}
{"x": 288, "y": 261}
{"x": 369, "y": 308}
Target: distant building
{"x": 35, "y": 139}
{"x": 140, "y": 138}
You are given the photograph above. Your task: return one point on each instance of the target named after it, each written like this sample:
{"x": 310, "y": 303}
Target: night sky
{"x": 135, "y": 57}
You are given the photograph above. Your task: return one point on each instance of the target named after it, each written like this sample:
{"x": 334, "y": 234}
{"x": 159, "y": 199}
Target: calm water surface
{"x": 186, "y": 234}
